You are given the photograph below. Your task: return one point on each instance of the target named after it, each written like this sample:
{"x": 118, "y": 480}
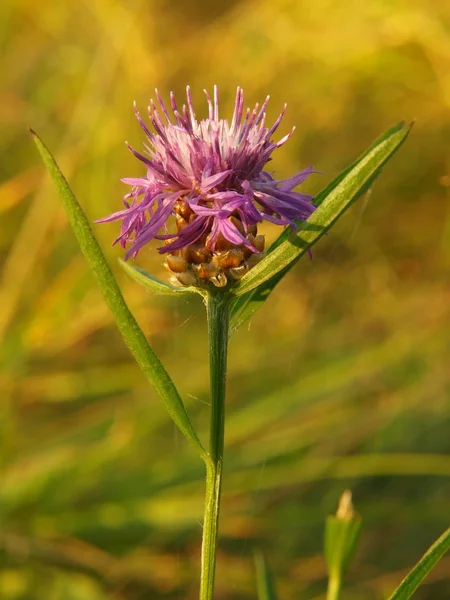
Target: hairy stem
{"x": 218, "y": 309}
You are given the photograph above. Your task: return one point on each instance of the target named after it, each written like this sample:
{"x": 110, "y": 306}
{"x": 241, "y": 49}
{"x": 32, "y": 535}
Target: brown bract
{"x": 198, "y": 264}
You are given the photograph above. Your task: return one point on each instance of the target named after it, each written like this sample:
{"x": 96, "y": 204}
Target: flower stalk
{"x": 218, "y": 315}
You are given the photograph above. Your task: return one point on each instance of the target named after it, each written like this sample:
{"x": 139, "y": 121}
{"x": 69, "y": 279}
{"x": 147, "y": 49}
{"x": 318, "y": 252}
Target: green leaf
{"x": 264, "y": 580}
{"x": 155, "y": 285}
{"x": 330, "y": 187}
{"x": 412, "y": 581}
{"x": 346, "y": 188}
{"x": 127, "y": 324}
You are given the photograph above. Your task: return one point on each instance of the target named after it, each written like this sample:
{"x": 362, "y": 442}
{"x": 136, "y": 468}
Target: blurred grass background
{"x": 342, "y": 380}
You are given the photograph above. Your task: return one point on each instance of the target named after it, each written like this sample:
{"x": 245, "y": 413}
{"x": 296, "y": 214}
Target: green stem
{"x": 334, "y": 586}
{"x": 218, "y": 313}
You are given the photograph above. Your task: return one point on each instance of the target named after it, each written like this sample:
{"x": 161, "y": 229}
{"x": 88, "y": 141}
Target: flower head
{"x": 210, "y": 176}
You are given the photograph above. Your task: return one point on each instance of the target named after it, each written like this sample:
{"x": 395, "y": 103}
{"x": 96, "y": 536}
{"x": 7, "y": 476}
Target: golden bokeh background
{"x": 341, "y": 380}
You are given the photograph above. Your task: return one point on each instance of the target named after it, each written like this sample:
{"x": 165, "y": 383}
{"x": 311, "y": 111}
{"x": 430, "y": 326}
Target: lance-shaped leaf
{"x": 412, "y": 581}
{"x": 348, "y": 186}
{"x": 127, "y": 324}
{"x": 155, "y": 285}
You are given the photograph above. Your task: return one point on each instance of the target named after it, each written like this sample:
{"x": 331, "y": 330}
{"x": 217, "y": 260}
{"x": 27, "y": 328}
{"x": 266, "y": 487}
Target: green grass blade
{"x": 412, "y": 581}
{"x": 127, "y": 324}
{"x": 154, "y": 284}
{"x": 264, "y": 579}
{"x": 347, "y": 187}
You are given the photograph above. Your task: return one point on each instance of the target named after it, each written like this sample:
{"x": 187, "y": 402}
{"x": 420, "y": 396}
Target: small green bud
{"x": 341, "y": 536}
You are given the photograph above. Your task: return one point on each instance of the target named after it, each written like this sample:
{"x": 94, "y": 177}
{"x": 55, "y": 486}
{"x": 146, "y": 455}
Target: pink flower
{"x": 210, "y": 175}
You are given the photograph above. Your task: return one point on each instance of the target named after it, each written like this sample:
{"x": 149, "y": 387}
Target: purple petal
{"x": 289, "y": 184}
{"x": 187, "y": 236}
{"x": 135, "y": 181}
{"x": 278, "y": 121}
{"x": 149, "y": 134}
{"x": 224, "y": 196}
{"x": 214, "y": 180}
{"x": 205, "y": 211}
{"x": 121, "y": 214}
{"x": 285, "y": 138}
{"x": 157, "y": 220}
{"x": 231, "y": 233}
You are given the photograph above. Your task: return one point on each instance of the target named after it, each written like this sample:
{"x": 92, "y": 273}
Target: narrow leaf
{"x": 155, "y": 285}
{"x": 412, "y": 581}
{"x": 346, "y": 188}
{"x": 264, "y": 581}
{"x": 383, "y": 137}
{"x": 321, "y": 196}
{"x": 129, "y": 328}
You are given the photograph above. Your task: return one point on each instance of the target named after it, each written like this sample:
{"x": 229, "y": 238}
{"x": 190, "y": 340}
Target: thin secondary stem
{"x": 218, "y": 312}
